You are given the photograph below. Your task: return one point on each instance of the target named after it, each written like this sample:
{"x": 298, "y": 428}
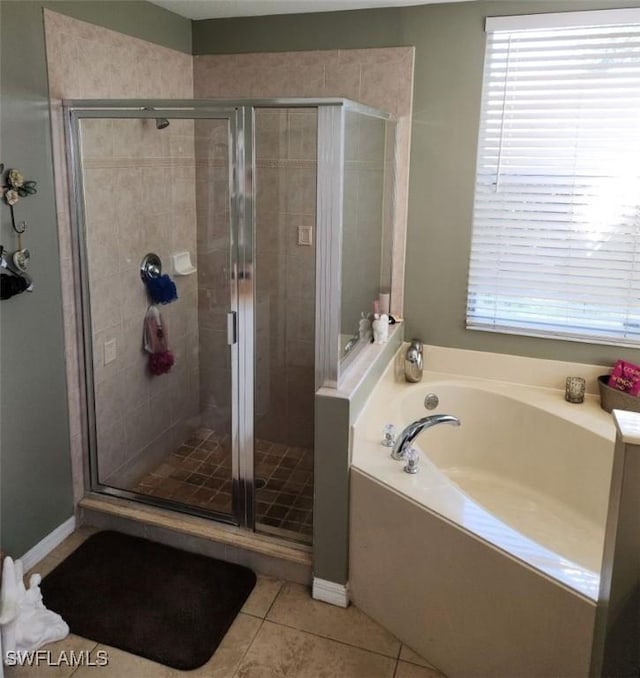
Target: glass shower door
{"x": 217, "y": 308}
{"x": 159, "y": 182}
{"x": 285, "y": 151}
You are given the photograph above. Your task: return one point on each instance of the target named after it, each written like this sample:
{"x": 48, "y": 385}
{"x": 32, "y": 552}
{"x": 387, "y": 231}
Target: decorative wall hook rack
{"x": 14, "y": 187}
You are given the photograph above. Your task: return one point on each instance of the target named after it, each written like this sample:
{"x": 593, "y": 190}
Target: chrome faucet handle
{"x": 389, "y": 435}
{"x": 412, "y": 457}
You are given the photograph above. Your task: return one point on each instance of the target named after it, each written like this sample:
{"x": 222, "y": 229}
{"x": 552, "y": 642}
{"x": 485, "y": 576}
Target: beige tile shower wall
{"x": 139, "y": 185}
{"x": 381, "y": 77}
{"x": 141, "y": 195}
{"x": 286, "y": 164}
{"x": 285, "y": 177}
{"x": 214, "y": 274}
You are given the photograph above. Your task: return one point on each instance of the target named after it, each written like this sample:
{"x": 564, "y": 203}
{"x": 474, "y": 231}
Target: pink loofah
{"x": 160, "y": 363}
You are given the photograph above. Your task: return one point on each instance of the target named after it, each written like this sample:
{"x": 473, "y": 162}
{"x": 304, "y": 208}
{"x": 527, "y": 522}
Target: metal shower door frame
{"x": 240, "y": 282}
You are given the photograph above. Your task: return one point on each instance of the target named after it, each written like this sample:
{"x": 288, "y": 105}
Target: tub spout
{"x": 414, "y": 429}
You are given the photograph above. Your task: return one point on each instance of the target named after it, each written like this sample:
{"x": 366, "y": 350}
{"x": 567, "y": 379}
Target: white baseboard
{"x": 330, "y": 592}
{"x": 44, "y": 547}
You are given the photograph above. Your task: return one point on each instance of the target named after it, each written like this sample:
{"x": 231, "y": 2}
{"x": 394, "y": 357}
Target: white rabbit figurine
{"x": 380, "y": 328}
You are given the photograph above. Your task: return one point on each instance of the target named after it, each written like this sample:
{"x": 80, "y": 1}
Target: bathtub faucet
{"x": 412, "y": 431}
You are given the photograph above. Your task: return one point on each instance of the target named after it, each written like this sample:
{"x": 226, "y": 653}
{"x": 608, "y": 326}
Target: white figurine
{"x": 380, "y": 326}
{"x": 25, "y": 623}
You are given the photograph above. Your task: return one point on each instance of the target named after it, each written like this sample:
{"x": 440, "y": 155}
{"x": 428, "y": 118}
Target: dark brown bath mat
{"x": 152, "y": 600}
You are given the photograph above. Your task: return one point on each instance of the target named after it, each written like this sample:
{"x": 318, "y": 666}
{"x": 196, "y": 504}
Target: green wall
{"x": 35, "y": 470}
{"x": 449, "y": 42}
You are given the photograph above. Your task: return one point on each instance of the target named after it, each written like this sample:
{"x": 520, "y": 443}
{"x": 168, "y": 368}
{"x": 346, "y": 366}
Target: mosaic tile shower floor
{"x": 198, "y": 474}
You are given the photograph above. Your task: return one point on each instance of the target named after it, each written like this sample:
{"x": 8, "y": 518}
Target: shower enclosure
{"x": 242, "y": 202}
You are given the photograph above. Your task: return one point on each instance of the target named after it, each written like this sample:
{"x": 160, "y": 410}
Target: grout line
{"x": 335, "y": 640}
{"x": 428, "y": 666}
{"x": 77, "y": 668}
{"x": 246, "y": 652}
{"x": 273, "y": 602}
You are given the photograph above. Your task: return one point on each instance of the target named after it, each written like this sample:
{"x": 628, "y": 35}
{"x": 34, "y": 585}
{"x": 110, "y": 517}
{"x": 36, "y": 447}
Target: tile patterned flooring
{"x": 286, "y": 500}
{"x": 281, "y": 632}
{"x": 198, "y": 474}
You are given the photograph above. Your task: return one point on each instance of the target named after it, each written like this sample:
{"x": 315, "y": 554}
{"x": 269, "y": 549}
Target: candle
{"x": 574, "y": 391}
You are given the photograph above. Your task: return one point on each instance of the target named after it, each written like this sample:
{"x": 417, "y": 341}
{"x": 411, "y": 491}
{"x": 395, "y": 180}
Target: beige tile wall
{"x": 121, "y": 227}
{"x": 381, "y": 77}
{"x": 285, "y": 181}
{"x": 140, "y": 196}
{"x": 286, "y": 163}
{"x": 214, "y": 275}
{"x": 139, "y": 185}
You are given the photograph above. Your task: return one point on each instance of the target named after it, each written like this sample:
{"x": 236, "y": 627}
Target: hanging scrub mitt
{"x": 155, "y": 342}
{"x": 162, "y": 289}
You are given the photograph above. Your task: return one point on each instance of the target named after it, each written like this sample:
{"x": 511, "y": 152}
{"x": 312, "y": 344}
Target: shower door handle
{"x": 232, "y": 333}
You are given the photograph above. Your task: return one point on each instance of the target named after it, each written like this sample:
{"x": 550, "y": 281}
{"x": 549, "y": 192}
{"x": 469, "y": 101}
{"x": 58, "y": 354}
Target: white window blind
{"x": 556, "y": 223}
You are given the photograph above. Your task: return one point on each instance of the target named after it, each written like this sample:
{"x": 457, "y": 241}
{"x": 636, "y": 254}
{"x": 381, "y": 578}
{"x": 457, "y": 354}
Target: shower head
{"x": 161, "y": 123}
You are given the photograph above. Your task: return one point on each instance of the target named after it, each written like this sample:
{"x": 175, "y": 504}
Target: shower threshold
{"x": 265, "y": 553}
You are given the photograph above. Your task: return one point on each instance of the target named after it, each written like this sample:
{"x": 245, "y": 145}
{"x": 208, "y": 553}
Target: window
{"x": 556, "y": 223}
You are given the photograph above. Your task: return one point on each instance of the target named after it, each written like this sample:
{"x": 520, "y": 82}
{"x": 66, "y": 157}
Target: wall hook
{"x": 14, "y": 187}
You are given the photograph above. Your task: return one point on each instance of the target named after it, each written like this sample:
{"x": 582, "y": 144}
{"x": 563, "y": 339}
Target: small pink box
{"x": 625, "y": 377}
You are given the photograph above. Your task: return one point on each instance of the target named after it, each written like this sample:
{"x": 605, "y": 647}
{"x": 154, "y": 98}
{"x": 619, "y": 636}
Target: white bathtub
{"x": 524, "y": 480}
